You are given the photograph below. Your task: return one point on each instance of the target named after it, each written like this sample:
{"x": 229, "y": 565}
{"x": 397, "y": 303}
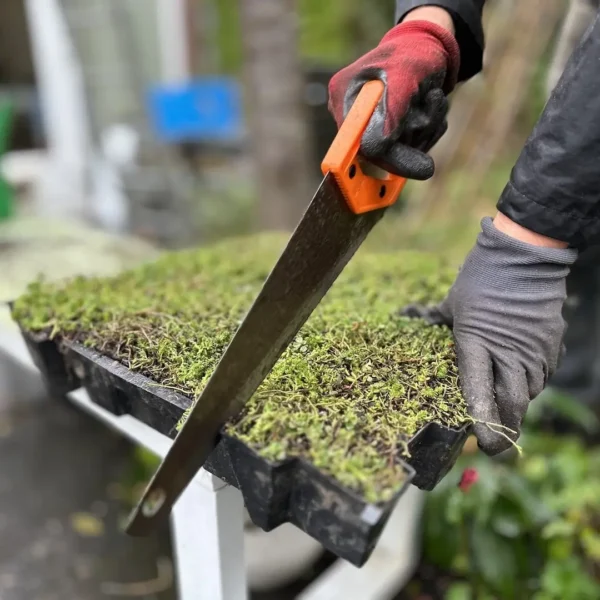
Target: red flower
{"x": 469, "y": 477}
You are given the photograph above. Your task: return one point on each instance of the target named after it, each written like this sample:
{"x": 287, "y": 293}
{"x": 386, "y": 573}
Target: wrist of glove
{"x": 418, "y": 62}
{"x": 505, "y": 309}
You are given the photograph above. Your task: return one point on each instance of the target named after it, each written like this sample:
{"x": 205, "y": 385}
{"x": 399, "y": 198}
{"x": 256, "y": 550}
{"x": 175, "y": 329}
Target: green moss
{"x": 356, "y": 383}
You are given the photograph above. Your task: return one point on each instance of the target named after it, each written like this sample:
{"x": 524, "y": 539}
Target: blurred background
{"x": 128, "y": 127}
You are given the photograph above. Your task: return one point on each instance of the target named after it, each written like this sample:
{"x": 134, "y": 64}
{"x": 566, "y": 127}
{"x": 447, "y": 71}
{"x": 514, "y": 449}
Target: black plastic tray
{"x": 291, "y": 491}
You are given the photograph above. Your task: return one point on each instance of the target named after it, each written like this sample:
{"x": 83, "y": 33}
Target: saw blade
{"x": 321, "y": 246}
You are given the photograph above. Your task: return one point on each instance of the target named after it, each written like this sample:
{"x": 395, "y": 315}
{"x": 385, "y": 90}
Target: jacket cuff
{"x": 466, "y": 15}
{"x": 546, "y": 220}
{"x": 442, "y": 36}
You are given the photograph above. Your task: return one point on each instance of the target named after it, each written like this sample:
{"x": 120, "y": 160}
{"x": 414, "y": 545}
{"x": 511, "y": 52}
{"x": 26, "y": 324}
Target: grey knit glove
{"x": 505, "y": 308}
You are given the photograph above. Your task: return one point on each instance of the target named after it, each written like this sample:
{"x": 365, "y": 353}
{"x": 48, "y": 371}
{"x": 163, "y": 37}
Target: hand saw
{"x": 346, "y": 206}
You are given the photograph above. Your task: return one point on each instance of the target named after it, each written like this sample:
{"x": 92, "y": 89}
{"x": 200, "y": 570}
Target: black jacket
{"x": 554, "y": 188}
{"x": 467, "y": 24}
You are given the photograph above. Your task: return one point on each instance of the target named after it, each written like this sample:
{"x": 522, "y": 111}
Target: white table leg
{"x": 207, "y": 520}
{"x": 208, "y": 539}
{"x": 209, "y": 532}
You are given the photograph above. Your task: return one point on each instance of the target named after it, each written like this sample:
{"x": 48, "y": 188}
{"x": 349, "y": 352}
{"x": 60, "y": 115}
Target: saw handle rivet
{"x": 153, "y": 502}
{"x": 361, "y": 186}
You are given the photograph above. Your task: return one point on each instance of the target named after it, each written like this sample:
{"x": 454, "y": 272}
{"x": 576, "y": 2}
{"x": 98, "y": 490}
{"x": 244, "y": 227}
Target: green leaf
{"x": 459, "y": 591}
{"x": 568, "y": 580}
{"x": 506, "y": 526}
{"x": 558, "y": 528}
{"x": 590, "y": 540}
{"x": 541, "y": 596}
{"x": 148, "y": 460}
{"x": 534, "y": 510}
{"x": 495, "y": 560}
{"x": 535, "y": 468}
{"x": 560, "y": 548}
{"x": 441, "y": 541}
{"x": 507, "y": 518}
{"x": 485, "y": 494}
{"x": 460, "y": 564}
{"x": 576, "y": 412}
{"x": 455, "y": 508}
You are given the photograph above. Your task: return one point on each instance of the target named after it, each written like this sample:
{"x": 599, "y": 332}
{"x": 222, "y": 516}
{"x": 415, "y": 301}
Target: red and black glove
{"x": 418, "y": 62}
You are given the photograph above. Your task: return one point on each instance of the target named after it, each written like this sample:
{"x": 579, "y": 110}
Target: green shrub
{"x": 528, "y": 529}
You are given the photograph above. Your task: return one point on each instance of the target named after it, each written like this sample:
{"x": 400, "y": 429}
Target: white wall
{"x": 62, "y": 192}
{"x": 72, "y": 37}
{"x": 173, "y": 40}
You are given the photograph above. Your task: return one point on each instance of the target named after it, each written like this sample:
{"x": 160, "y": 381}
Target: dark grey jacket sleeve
{"x": 554, "y": 188}
{"x": 467, "y": 22}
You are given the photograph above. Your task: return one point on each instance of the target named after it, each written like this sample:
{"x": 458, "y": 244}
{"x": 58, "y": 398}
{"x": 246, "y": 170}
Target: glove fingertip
{"x": 400, "y": 160}
{"x": 412, "y": 164}
{"x": 414, "y": 311}
{"x": 431, "y": 314}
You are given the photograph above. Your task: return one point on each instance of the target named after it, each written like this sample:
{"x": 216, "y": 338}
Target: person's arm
{"x": 509, "y": 227}
{"x": 505, "y": 310}
{"x": 554, "y": 188}
{"x": 433, "y": 14}
{"x": 466, "y": 17}
{"x": 420, "y": 60}
{"x": 505, "y": 307}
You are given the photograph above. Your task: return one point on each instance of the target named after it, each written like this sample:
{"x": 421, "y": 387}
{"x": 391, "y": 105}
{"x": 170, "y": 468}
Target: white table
{"x": 208, "y": 524}
{"x": 208, "y": 520}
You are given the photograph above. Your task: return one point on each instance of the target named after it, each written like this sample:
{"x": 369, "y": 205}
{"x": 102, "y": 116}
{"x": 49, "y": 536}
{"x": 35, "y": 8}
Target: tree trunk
{"x": 278, "y": 128}
{"x": 534, "y": 23}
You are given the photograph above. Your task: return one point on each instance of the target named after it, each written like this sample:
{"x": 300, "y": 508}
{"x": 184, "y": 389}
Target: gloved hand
{"x": 418, "y": 62}
{"x": 505, "y": 310}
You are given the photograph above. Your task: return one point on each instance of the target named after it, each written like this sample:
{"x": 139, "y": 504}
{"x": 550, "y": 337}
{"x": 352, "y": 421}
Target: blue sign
{"x": 208, "y": 109}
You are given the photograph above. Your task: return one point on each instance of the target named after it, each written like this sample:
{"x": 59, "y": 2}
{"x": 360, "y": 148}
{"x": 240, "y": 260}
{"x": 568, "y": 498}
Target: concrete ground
{"x": 60, "y": 476}
{"x": 63, "y": 481}
{"x": 62, "y": 473}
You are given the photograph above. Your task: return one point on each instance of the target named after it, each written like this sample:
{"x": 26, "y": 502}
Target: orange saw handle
{"x": 362, "y": 192}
